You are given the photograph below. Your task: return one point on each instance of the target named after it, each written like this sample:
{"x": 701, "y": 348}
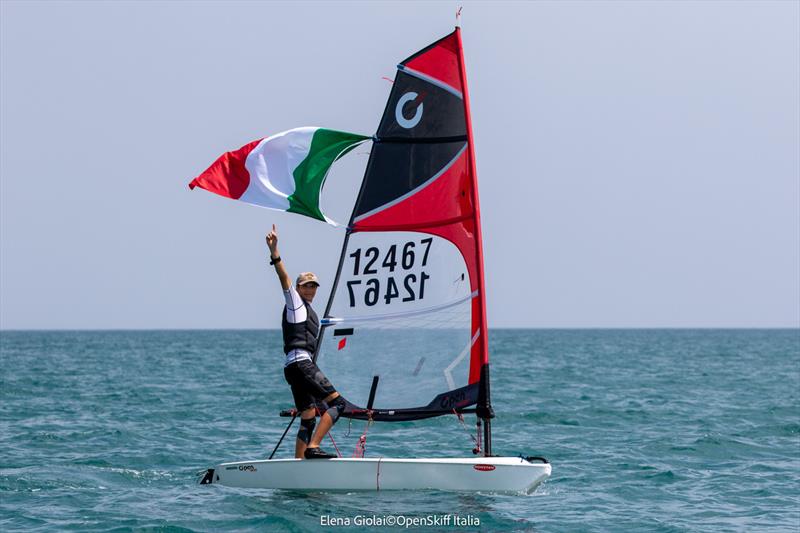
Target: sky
{"x": 638, "y": 162}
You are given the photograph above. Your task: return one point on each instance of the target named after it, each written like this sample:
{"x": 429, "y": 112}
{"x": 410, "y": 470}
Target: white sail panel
{"x": 401, "y": 311}
{"x": 398, "y": 271}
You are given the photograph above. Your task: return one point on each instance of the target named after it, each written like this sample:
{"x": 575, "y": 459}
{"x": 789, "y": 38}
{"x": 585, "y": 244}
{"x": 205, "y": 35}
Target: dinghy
{"x": 404, "y": 334}
{"x": 493, "y": 474}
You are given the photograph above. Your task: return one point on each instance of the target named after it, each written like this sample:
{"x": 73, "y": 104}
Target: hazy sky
{"x": 638, "y": 162}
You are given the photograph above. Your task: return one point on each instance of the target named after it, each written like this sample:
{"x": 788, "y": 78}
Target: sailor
{"x": 309, "y": 385}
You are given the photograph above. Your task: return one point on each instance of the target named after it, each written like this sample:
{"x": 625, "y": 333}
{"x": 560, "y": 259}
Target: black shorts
{"x": 308, "y": 383}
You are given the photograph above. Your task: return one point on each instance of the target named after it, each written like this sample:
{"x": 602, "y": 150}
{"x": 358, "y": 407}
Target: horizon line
{"x": 34, "y": 330}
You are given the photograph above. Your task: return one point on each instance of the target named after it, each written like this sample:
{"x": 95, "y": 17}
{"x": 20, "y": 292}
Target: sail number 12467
{"x": 408, "y": 287}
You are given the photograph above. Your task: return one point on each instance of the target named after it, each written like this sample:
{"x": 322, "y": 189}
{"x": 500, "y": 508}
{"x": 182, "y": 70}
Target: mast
{"x": 484, "y": 408}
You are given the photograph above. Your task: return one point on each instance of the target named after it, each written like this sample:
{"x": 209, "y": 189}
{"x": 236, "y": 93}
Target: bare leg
{"x": 299, "y": 445}
{"x": 325, "y": 424}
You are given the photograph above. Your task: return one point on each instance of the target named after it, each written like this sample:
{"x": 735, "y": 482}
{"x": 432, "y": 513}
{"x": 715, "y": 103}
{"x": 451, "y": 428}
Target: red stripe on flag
{"x": 227, "y": 176}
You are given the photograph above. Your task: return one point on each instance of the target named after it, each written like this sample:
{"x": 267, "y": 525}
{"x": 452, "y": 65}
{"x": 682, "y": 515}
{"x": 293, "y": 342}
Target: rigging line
{"x": 335, "y": 447}
{"x": 461, "y": 419}
{"x": 420, "y": 140}
{"x": 361, "y": 445}
{"x": 478, "y": 433}
{"x": 329, "y": 321}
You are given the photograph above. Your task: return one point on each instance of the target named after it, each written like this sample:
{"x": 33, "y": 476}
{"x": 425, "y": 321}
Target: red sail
{"x": 410, "y": 283}
{"x": 444, "y": 205}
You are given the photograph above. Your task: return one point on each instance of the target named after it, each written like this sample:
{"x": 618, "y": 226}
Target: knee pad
{"x": 336, "y": 407}
{"x": 306, "y": 429}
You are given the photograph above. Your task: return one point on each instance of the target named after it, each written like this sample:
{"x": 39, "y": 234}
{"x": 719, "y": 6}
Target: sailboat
{"x": 404, "y": 334}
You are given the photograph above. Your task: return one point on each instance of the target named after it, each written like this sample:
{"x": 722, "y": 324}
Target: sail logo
{"x": 484, "y": 468}
{"x": 408, "y": 123}
{"x": 453, "y": 399}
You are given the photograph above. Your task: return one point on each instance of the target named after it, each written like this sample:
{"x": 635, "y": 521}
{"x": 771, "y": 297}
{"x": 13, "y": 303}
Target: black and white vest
{"x": 303, "y": 335}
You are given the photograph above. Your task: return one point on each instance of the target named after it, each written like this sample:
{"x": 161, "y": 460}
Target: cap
{"x": 306, "y": 277}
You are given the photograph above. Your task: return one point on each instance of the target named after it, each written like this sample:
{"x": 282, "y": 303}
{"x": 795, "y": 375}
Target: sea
{"x": 647, "y": 430}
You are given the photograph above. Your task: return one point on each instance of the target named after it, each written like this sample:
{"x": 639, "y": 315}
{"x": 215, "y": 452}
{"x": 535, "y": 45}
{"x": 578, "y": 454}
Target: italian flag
{"x": 285, "y": 171}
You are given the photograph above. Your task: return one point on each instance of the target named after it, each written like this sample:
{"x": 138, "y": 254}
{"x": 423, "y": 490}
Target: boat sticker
{"x": 397, "y": 284}
{"x": 398, "y": 111}
{"x": 483, "y": 468}
{"x": 248, "y": 468}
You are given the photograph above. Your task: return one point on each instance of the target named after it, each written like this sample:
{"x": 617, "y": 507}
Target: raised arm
{"x": 275, "y": 256}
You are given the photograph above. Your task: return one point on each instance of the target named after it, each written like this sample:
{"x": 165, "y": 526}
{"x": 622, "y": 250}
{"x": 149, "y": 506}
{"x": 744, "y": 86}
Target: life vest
{"x": 303, "y": 335}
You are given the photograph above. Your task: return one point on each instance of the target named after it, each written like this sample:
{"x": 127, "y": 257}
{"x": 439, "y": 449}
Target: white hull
{"x": 496, "y": 474}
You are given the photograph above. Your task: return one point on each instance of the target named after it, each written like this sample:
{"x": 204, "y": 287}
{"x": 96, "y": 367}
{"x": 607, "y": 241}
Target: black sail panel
{"x": 403, "y": 167}
{"x": 422, "y": 109}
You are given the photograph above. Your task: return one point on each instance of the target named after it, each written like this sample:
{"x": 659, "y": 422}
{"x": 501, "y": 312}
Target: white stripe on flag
{"x": 271, "y": 165}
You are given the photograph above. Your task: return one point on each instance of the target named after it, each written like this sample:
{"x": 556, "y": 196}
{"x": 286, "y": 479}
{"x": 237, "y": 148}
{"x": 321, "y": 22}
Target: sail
{"x": 405, "y": 327}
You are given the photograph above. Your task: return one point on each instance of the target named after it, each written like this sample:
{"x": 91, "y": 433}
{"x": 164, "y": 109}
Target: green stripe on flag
{"x": 326, "y": 147}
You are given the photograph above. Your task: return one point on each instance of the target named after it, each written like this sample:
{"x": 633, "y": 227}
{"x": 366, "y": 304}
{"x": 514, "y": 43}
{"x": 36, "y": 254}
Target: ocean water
{"x": 647, "y": 430}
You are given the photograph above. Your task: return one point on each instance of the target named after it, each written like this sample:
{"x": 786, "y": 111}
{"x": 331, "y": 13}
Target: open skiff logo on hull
{"x": 483, "y": 468}
{"x": 247, "y": 468}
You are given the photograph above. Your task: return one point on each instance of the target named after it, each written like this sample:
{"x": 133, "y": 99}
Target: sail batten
{"x": 422, "y": 225}
{"x": 369, "y": 318}
{"x": 428, "y": 140}
{"x": 432, "y": 80}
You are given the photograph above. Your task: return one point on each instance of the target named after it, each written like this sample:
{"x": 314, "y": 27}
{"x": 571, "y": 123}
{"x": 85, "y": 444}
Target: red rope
{"x": 476, "y": 441}
{"x": 361, "y": 445}
{"x": 334, "y": 445}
